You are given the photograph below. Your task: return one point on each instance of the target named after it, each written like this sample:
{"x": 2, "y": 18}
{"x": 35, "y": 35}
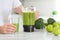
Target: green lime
{"x": 56, "y": 24}
{"x": 56, "y": 31}
{"x": 49, "y": 28}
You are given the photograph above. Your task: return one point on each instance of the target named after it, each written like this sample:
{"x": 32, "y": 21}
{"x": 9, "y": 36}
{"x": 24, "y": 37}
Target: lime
{"x": 55, "y": 24}
{"x": 56, "y": 31}
{"x": 58, "y": 23}
{"x": 49, "y": 28}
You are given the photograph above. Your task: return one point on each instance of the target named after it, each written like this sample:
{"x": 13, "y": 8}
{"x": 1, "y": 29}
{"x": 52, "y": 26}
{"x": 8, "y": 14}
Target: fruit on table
{"x": 55, "y": 24}
{"x": 56, "y": 31}
{"x": 58, "y": 23}
{"x": 50, "y": 20}
{"x": 49, "y": 28}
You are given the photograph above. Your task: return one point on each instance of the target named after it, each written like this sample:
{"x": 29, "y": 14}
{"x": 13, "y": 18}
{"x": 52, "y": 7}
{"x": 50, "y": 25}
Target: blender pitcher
{"x": 28, "y": 19}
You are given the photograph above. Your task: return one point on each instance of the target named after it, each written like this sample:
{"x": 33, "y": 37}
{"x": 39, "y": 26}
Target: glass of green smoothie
{"x": 28, "y": 20}
{"x": 15, "y": 21}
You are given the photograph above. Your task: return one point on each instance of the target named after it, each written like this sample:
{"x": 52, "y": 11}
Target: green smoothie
{"x": 28, "y": 18}
{"x": 17, "y": 26}
{"x": 31, "y": 18}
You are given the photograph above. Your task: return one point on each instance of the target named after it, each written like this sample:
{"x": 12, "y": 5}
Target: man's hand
{"x": 7, "y": 28}
{"x": 19, "y": 9}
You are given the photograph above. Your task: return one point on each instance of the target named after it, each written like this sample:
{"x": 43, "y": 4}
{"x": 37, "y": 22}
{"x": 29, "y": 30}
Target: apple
{"x": 49, "y": 28}
{"x": 56, "y": 24}
{"x": 56, "y": 31}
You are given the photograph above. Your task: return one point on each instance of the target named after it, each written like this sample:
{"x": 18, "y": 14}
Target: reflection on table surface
{"x": 37, "y": 35}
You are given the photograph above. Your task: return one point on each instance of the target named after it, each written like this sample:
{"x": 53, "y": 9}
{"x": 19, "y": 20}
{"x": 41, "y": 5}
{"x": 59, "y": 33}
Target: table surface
{"x": 37, "y": 35}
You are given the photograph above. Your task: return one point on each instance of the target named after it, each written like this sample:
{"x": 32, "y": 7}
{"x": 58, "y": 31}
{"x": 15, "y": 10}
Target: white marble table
{"x": 37, "y": 35}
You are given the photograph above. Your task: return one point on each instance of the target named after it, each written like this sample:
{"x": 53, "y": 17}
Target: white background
{"x": 46, "y": 7}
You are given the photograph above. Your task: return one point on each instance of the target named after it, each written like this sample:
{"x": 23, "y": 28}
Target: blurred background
{"x": 45, "y": 6}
